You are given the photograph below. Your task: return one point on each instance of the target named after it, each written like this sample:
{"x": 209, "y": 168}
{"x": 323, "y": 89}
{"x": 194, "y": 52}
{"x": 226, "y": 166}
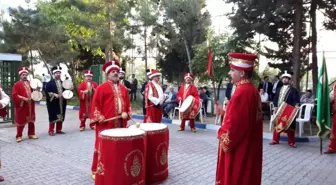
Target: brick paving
{"x": 66, "y": 159}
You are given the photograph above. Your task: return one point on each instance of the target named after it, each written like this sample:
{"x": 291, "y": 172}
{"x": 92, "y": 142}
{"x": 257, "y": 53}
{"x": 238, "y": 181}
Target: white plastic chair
{"x": 178, "y": 109}
{"x": 306, "y": 118}
{"x": 271, "y": 105}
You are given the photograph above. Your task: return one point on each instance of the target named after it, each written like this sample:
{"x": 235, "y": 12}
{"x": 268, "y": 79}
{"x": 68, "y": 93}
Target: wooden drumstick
{"x": 123, "y": 115}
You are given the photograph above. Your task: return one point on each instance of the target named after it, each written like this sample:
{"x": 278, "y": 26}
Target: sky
{"x": 220, "y": 24}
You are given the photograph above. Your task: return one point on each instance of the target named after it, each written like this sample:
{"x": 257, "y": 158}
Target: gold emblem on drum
{"x": 136, "y": 167}
{"x": 133, "y": 163}
{"x": 161, "y": 154}
{"x": 163, "y": 158}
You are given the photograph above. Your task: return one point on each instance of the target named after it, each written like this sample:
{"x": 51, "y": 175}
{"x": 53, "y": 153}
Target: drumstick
{"x": 113, "y": 118}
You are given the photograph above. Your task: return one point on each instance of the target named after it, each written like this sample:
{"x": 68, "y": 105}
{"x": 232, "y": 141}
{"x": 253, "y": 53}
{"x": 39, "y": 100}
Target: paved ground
{"x": 66, "y": 159}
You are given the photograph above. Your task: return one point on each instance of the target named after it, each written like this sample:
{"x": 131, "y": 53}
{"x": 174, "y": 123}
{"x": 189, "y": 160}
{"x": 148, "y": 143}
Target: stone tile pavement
{"x": 66, "y": 159}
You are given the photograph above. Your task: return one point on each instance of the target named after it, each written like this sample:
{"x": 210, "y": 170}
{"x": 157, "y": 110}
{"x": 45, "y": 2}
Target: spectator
{"x": 308, "y": 97}
{"x": 134, "y": 87}
{"x": 276, "y": 84}
{"x": 263, "y": 96}
{"x": 170, "y": 102}
{"x": 203, "y": 95}
{"x": 267, "y": 86}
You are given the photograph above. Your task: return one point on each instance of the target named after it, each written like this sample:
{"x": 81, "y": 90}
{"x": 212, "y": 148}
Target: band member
{"x": 85, "y": 93}
{"x": 56, "y": 104}
{"x": 154, "y": 98}
{"x": 186, "y": 90}
{"x": 143, "y": 87}
{"x": 241, "y": 134}
{"x": 332, "y": 139}
{"x": 126, "y": 83}
{"x": 286, "y": 94}
{"x": 110, "y": 100}
{"x": 4, "y": 101}
{"x": 24, "y": 105}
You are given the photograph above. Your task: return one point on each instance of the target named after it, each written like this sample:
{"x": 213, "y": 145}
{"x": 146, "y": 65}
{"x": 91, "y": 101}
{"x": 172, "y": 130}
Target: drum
{"x": 121, "y": 157}
{"x": 190, "y": 107}
{"x": 36, "y": 95}
{"x": 157, "y": 151}
{"x": 35, "y": 83}
{"x": 67, "y": 94}
{"x": 67, "y": 84}
{"x": 284, "y": 117}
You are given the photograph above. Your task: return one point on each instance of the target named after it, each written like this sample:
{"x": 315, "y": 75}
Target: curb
{"x": 266, "y": 135}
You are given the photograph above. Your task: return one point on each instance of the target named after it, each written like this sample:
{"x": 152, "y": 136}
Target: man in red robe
{"x": 241, "y": 133}
{"x": 4, "y": 101}
{"x": 110, "y": 100}
{"x": 154, "y": 98}
{"x": 188, "y": 89}
{"x": 24, "y": 106}
{"x": 332, "y": 139}
{"x": 85, "y": 92}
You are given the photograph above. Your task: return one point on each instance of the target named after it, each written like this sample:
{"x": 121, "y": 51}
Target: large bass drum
{"x": 121, "y": 157}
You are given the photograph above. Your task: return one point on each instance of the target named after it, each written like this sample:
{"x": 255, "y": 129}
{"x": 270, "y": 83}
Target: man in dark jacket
{"x": 143, "y": 87}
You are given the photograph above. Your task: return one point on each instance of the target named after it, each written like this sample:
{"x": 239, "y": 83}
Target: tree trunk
{"x": 297, "y": 44}
{"x": 45, "y": 63}
{"x": 314, "y": 43}
{"x": 188, "y": 55}
{"x": 73, "y": 77}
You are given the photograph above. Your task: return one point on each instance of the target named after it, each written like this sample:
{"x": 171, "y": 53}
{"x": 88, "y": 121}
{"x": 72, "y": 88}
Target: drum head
{"x": 150, "y": 126}
{"x": 67, "y": 84}
{"x": 67, "y": 94}
{"x": 187, "y": 103}
{"x": 36, "y": 95}
{"x": 122, "y": 132}
{"x": 35, "y": 83}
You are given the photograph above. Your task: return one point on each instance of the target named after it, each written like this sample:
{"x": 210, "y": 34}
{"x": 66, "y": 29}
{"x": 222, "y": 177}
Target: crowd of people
{"x": 108, "y": 106}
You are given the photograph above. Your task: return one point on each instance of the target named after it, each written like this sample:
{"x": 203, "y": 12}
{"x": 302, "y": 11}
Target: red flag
{"x": 209, "y": 62}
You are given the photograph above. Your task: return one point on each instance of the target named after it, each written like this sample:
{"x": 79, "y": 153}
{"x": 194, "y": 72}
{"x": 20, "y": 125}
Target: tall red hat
{"x": 23, "y": 70}
{"x": 153, "y": 73}
{"x": 188, "y": 75}
{"x": 112, "y": 65}
{"x": 242, "y": 61}
{"x": 88, "y": 73}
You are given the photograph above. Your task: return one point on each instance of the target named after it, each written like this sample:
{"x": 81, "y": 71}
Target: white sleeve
{"x": 331, "y": 95}
{"x": 151, "y": 98}
{"x": 4, "y": 99}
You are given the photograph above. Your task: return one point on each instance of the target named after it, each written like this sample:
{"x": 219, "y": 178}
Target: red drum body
{"x": 190, "y": 107}
{"x": 284, "y": 117}
{"x": 157, "y": 151}
{"x": 121, "y": 157}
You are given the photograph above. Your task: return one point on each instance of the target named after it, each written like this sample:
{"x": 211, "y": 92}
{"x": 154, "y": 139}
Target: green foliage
{"x": 185, "y": 24}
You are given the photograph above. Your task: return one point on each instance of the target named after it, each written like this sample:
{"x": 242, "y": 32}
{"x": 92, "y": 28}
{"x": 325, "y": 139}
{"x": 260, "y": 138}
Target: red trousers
{"x": 332, "y": 139}
{"x": 82, "y": 124}
{"x": 31, "y": 130}
{"x": 191, "y": 123}
{"x": 153, "y": 115}
{"x": 290, "y": 134}
{"x": 59, "y": 125}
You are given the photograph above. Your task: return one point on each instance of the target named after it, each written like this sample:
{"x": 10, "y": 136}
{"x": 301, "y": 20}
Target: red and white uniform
{"x": 154, "y": 99}
{"x": 109, "y": 100}
{"x": 241, "y": 133}
{"x": 24, "y": 110}
{"x": 185, "y": 91}
{"x": 85, "y": 92}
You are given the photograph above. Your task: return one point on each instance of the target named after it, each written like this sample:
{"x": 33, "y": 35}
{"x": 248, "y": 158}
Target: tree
{"x": 185, "y": 23}
{"x": 221, "y": 45}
